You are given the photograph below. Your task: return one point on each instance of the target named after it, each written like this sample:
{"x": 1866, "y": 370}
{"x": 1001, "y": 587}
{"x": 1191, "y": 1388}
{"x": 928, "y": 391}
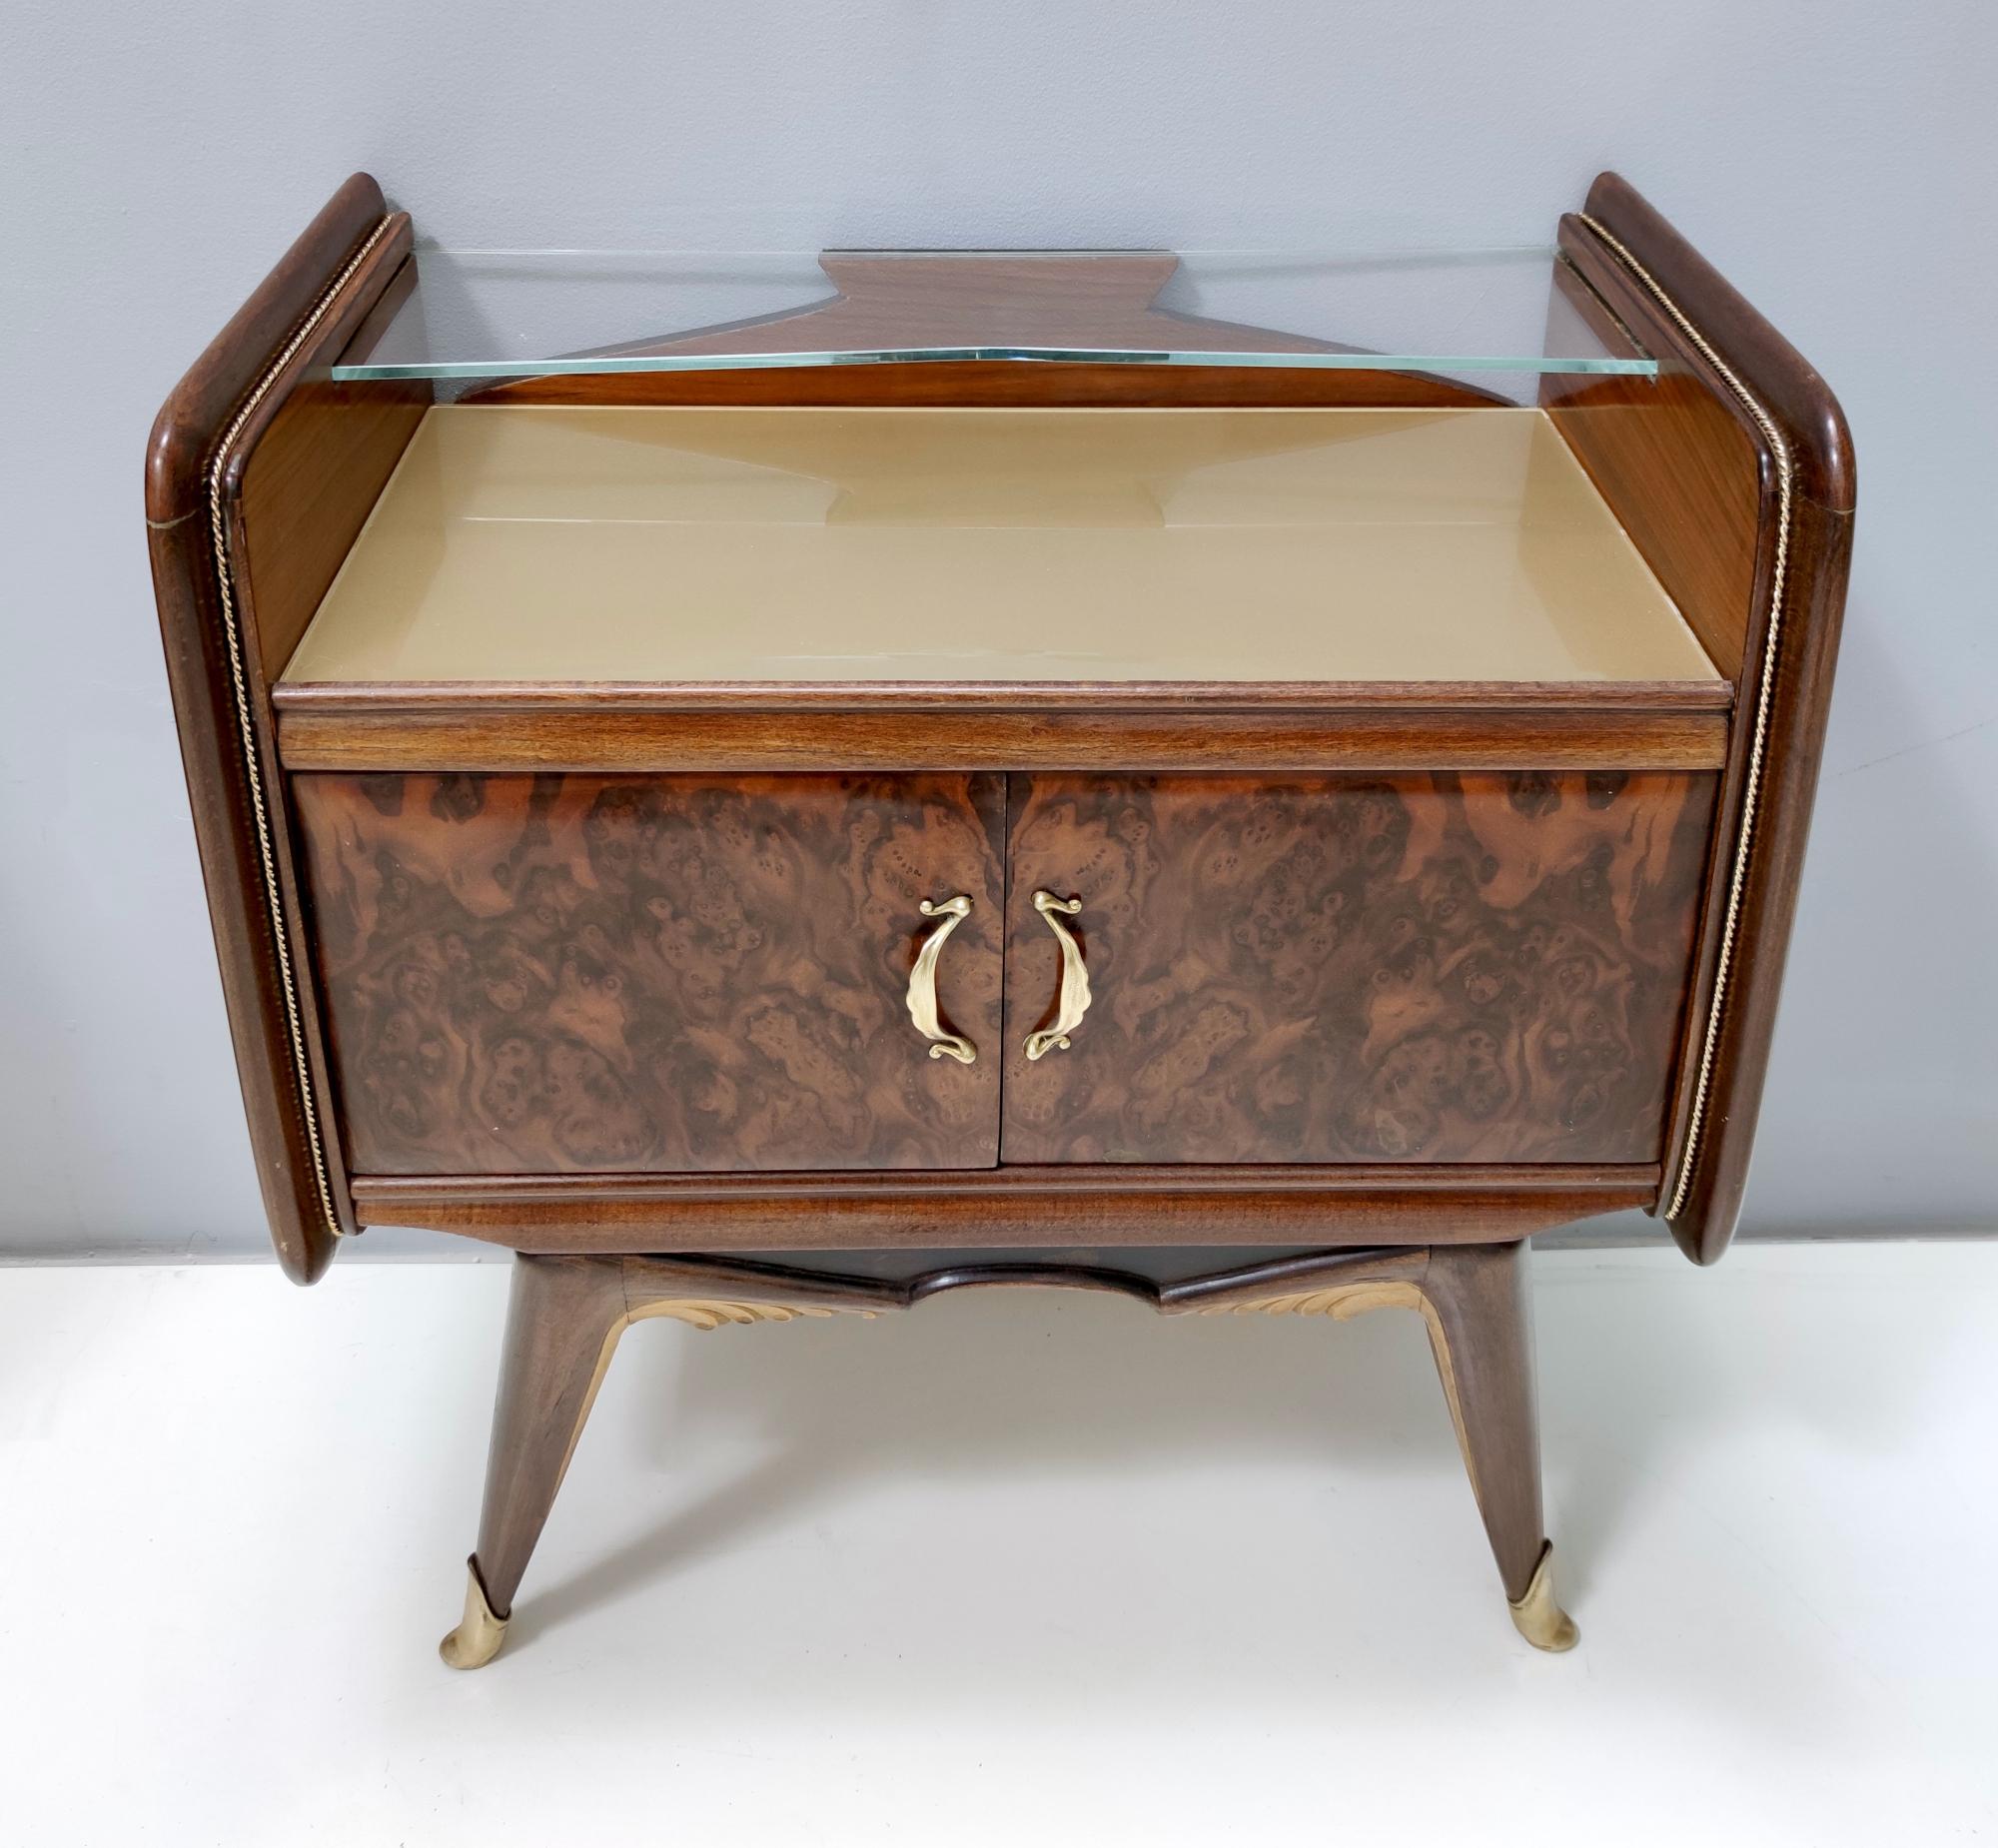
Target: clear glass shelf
{"x": 486, "y": 314}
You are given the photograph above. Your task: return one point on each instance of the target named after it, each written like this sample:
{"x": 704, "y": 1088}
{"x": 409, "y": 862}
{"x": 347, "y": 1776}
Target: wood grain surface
{"x": 209, "y": 626}
{"x": 1422, "y": 968}
{"x": 1683, "y": 476}
{"x": 493, "y": 735}
{"x": 577, "y": 974}
{"x": 1707, "y": 336}
{"x": 1059, "y": 1207}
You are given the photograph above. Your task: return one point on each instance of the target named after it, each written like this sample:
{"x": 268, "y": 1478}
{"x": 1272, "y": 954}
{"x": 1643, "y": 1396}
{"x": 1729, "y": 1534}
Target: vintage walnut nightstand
{"x": 993, "y": 767}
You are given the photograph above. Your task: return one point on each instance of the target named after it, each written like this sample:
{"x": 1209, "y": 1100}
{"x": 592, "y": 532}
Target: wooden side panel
{"x": 311, "y": 483}
{"x": 671, "y": 974}
{"x": 1677, "y": 469}
{"x": 1730, "y": 1030}
{"x": 1420, "y": 968}
{"x": 1710, "y": 340}
{"x": 220, "y": 696}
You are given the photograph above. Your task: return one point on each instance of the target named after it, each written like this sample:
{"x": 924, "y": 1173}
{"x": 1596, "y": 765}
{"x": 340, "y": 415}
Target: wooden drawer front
{"x": 545, "y": 974}
{"x": 1427, "y": 968}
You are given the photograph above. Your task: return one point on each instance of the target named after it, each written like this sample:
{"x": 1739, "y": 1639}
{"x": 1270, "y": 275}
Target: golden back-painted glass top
{"x": 683, "y": 544}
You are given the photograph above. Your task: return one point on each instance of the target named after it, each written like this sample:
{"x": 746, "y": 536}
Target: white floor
{"x": 1019, "y": 1567}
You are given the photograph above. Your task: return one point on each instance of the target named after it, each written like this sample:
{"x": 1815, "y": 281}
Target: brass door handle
{"x": 1073, "y": 1001}
{"x": 922, "y": 982}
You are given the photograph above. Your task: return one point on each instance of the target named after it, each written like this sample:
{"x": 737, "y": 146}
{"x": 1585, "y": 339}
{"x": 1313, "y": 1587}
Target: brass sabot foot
{"x": 1537, "y": 1616}
{"x": 479, "y": 1633}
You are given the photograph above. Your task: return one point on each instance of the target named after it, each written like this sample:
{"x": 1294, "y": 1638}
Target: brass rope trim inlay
{"x": 245, "y": 728}
{"x": 1751, "y": 789}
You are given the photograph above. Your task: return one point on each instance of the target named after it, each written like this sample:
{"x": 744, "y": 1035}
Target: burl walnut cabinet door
{"x": 560, "y": 974}
{"x": 1409, "y": 968}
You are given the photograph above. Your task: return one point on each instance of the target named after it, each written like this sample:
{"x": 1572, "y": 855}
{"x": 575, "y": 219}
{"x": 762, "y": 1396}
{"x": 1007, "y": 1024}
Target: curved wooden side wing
{"x": 1735, "y": 478}
{"x": 222, "y": 650}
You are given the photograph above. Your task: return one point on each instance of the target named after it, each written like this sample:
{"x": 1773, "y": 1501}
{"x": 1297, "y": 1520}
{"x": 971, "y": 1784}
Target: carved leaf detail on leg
{"x": 713, "y": 1313}
{"x": 1340, "y": 1301}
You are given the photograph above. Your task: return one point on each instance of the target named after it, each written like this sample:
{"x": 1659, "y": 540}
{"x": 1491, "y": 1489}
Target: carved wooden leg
{"x": 562, "y": 1326}
{"x": 1482, "y": 1333}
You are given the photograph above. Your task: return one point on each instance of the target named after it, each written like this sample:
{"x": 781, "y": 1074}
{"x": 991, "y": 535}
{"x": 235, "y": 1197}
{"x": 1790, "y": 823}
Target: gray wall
{"x": 1835, "y": 160}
